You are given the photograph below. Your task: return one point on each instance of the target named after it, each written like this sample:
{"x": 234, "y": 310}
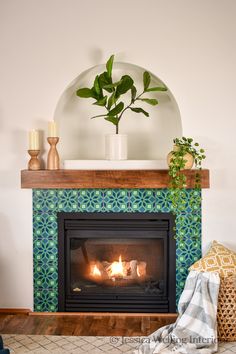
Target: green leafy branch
{"x": 108, "y": 94}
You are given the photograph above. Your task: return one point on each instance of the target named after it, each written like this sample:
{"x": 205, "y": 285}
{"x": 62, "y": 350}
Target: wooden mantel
{"x": 65, "y": 179}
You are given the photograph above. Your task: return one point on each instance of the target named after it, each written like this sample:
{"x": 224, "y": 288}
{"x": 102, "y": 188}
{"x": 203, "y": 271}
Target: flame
{"x": 95, "y": 271}
{"x": 117, "y": 269}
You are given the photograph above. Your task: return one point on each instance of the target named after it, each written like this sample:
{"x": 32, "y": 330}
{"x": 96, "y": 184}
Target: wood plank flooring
{"x": 82, "y": 325}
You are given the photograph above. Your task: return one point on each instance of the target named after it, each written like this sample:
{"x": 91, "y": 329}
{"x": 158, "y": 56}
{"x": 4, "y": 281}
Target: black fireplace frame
{"x": 163, "y": 223}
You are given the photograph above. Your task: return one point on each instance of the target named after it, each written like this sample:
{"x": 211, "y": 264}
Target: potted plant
{"x": 110, "y": 94}
{"x": 184, "y": 155}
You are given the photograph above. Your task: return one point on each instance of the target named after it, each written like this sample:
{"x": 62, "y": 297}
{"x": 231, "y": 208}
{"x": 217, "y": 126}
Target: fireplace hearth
{"x": 116, "y": 262}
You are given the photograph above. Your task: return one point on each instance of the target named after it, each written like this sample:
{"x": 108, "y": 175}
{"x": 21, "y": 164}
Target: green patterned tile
{"x": 46, "y": 300}
{"x": 45, "y": 275}
{"x": 116, "y": 200}
{"x": 45, "y": 200}
{"x": 46, "y": 204}
{"x": 142, "y": 200}
{"x": 44, "y": 225}
{"x": 91, "y": 200}
{"x": 68, "y": 200}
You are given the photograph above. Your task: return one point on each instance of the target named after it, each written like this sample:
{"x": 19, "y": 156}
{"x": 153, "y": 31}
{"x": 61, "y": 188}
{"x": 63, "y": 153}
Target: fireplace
{"x": 116, "y": 262}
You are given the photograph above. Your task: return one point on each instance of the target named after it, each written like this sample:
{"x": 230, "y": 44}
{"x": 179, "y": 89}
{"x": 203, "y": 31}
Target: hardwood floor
{"x": 82, "y": 325}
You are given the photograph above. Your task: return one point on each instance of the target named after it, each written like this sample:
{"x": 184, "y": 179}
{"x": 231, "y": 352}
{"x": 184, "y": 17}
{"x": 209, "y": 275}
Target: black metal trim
{"x": 69, "y": 225}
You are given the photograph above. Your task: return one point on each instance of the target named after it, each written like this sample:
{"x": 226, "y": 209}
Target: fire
{"x": 117, "y": 269}
{"x": 95, "y": 271}
{"x": 138, "y": 272}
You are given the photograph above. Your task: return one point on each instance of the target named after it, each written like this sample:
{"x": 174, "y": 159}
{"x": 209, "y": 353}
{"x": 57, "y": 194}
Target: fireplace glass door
{"x": 117, "y": 265}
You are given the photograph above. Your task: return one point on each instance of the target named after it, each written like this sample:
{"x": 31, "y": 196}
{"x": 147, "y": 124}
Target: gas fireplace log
{"x": 104, "y": 274}
{"x": 133, "y": 266}
{"x": 141, "y": 269}
{"x": 106, "y": 265}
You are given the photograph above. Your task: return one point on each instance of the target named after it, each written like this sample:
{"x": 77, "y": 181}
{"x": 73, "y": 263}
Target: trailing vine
{"x": 177, "y": 186}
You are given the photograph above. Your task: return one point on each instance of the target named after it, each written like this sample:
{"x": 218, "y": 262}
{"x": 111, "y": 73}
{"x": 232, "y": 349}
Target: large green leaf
{"x": 112, "y": 86}
{"x": 146, "y": 80}
{"x": 85, "y": 92}
{"x": 133, "y": 93}
{"x": 109, "y": 65}
{"x": 112, "y": 119}
{"x": 95, "y": 95}
{"x": 105, "y": 80}
{"x": 101, "y": 102}
{"x": 125, "y": 85}
{"x": 116, "y": 110}
{"x": 111, "y": 101}
{"x": 156, "y": 89}
{"x": 151, "y": 101}
{"x": 140, "y": 110}
{"x": 96, "y": 86}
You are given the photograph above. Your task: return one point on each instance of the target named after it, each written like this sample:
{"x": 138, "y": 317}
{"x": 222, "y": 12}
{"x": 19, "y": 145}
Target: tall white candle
{"x": 33, "y": 140}
{"x": 52, "y": 129}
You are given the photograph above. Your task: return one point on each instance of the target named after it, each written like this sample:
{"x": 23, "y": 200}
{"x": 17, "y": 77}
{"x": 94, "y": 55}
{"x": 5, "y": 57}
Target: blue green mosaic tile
{"x": 91, "y": 200}
{"x": 45, "y": 276}
{"x": 48, "y": 202}
{"x": 45, "y": 251}
{"x": 44, "y": 225}
{"x": 68, "y": 200}
{"x": 46, "y": 300}
{"x": 116, "y": 200}
{"x": 45, "y": 200}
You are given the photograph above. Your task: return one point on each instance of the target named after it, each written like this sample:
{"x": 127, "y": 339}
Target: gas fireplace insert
{"x": 116, "y": 262}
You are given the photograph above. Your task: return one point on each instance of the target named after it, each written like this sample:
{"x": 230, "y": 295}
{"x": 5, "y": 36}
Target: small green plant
{"x": 177, "y": 188}
{"x": 108, "y": 94}
{"x": 178, "y": 161}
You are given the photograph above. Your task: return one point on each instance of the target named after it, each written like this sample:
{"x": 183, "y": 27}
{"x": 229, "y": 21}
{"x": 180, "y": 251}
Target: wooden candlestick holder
{"x": 53, "y": 160}
{"x": 34, "y": 163}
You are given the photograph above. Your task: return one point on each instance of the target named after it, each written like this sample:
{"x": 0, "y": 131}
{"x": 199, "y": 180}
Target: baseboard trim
{"x": 15, "y": 311}
{"x": 126, "y": 314}
{"x": 21, "y": 311}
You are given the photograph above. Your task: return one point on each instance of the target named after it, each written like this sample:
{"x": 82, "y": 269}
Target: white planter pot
{"x": 116, "y": 147}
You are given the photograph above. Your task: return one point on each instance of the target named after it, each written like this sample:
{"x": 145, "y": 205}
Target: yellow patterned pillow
{"x": 219, "y": 259}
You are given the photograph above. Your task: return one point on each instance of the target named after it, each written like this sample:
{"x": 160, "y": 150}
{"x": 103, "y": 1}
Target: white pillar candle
{"x": 33, "y": 140}
{"x": 52, "y": 129}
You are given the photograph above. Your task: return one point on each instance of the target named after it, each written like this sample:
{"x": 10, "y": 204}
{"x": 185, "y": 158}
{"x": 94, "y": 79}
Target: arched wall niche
{"x": 148, "y": 138}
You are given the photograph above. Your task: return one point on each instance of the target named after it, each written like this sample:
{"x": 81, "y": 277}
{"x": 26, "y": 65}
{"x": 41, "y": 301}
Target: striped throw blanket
{"x": 195, "y": 330}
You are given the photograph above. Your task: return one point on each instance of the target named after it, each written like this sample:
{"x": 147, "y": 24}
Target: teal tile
{"x": 45, "y": 276}
{"x": 45, "y": 300}
{"x": 91, "y": 200}
{"x": 46, "y": 204}
{"x": 44, "y": 225}
{"x": 45, "y": 250}
{"x": 116, "y": 200}
{"x": 45, "y": 200}
{"x": 68, "y": 200}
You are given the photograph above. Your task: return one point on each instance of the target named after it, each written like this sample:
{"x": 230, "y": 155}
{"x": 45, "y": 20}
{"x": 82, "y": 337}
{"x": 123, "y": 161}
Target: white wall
{"x": 45, "y": 44}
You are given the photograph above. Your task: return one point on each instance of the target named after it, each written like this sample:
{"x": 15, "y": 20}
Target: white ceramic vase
{"x": 116, "y": 147}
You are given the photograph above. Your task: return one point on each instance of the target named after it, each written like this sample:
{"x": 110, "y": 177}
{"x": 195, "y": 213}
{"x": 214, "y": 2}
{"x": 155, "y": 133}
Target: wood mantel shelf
{"x": 76, "y": 179}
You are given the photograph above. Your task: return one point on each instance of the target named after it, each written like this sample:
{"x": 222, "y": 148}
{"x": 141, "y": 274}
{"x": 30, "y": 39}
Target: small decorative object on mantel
{"x": 53, "y": 160}
{"x": 107, "y": 94}
{"x": 185, "y": 153}
{"x": 34, "y": 163}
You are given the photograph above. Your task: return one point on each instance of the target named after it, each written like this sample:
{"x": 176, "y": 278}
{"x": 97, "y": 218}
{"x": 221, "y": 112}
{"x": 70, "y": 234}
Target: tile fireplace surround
{"x": 48, "y": 202}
